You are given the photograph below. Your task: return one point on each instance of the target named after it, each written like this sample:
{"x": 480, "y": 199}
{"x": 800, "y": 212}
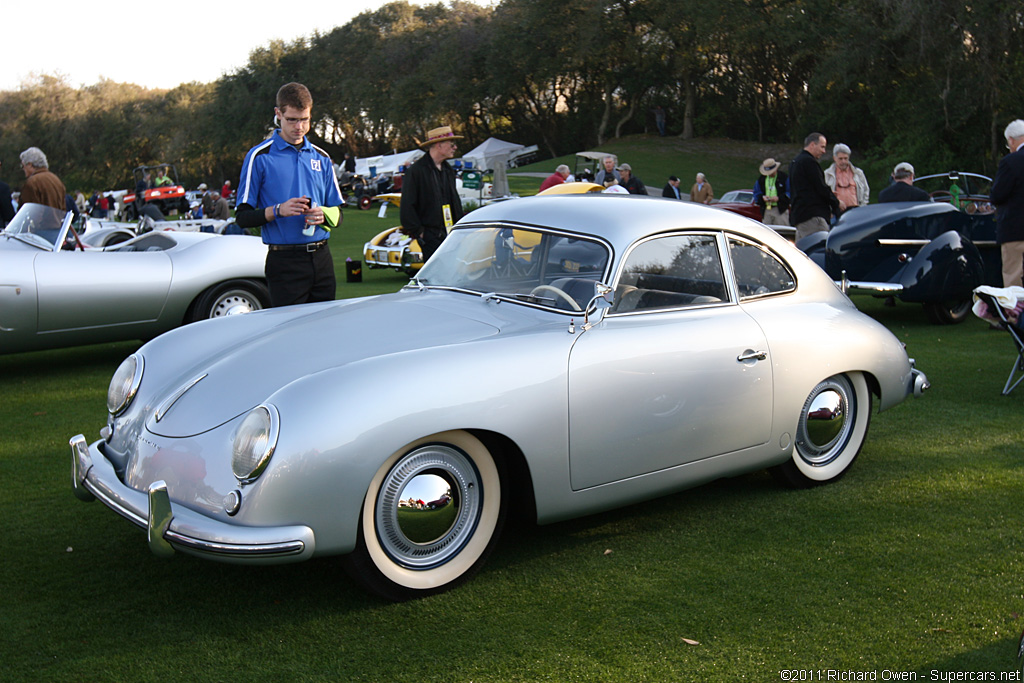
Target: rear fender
{"x": 948, "y": 267}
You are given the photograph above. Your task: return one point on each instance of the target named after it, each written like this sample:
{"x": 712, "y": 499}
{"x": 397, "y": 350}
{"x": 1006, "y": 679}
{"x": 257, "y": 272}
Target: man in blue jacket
{"x": 1008, "y": 196}
{"x": 289, "y": 190}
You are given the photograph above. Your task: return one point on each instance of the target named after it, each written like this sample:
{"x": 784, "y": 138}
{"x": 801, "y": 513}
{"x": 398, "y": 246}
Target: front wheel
{"x": 831, "y": 429}
{"x": 948, "y": 312}
{"x": 229, "y": 298}
{"x": 431, "y": 516}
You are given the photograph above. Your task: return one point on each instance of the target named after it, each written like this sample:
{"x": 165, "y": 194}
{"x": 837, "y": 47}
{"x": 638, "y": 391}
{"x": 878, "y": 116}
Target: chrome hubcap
{"x": 825, "y": 422}
{"x": 428, "y": 507}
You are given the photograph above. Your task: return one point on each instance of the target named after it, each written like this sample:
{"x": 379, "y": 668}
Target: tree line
{"x": 931, "y": 81}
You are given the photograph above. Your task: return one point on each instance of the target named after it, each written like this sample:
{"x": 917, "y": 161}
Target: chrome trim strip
{"x": 879, "y": 287}
{"x": 903, "y": 243}
{"x": 286, "y": 548}
{"x": 162, "y": 411}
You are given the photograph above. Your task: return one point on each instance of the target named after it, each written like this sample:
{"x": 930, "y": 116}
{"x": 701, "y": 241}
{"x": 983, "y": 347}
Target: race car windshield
{"x": 513, "y": 260}
{"x": 37, "y": 225}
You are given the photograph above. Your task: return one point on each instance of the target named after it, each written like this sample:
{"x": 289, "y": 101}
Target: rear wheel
{"x": 832, "y": 427}
{"x": 431, "y": 516}
{"x": 949, "y": 312}
{"x": 229, "y": 298}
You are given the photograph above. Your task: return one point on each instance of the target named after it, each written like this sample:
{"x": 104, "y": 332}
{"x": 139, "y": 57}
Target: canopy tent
{"x": 387, "y": 163}
{"x": 493, "y": 154}
{"x": 490, "y": 152}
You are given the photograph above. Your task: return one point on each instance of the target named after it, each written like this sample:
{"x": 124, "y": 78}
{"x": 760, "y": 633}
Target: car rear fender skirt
{"x": 948, "y": 267}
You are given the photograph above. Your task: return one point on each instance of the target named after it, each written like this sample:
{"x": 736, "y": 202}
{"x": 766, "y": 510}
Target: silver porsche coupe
{"x": 61, "y": 288}
{"x": 563, "y": 355}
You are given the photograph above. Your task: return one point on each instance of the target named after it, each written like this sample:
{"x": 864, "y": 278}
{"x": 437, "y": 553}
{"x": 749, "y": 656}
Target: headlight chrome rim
{"x": 255, "y": 442}
{"x": 125, "y": 384}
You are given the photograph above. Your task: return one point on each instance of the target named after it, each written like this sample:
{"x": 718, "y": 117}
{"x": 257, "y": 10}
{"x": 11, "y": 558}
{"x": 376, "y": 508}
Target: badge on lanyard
{"x": 448, "y": 222}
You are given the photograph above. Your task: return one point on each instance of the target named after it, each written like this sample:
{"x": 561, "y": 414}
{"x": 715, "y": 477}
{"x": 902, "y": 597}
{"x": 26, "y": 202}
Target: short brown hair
{"x": 294, "y": 95}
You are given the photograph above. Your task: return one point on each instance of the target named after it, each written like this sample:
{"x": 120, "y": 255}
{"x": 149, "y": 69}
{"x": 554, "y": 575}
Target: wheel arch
{"x": 190, "y": 310}
{"x": 519, "y": 480}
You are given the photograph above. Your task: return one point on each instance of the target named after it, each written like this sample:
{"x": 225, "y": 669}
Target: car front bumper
{"x": 173, "y": 527}
{"x": 399, "y": 257}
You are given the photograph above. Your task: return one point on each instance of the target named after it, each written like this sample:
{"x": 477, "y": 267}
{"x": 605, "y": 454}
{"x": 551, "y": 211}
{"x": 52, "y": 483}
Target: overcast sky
{"x": 154, "y": 44}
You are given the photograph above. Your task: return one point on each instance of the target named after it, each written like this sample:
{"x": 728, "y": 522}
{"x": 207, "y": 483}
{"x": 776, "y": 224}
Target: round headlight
{"x": 254, "y": 444}
{"x": 124, "y": 384}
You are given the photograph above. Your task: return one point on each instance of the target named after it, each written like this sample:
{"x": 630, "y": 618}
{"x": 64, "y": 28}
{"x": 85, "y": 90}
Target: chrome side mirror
{"x": 602, "y": 301}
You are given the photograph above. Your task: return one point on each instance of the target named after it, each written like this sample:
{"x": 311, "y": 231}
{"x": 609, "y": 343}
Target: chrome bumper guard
{"x": 171, "y": 528}
{"x": 918, "y": 381}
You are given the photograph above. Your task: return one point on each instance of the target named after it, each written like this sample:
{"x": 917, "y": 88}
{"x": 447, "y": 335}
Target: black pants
{"x": 431, "y": 240}
{"x": 300, "y": 277}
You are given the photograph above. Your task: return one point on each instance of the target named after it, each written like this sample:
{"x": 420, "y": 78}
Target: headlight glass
{"x": 254, "y": 444}
{"x": 124, "y": 384}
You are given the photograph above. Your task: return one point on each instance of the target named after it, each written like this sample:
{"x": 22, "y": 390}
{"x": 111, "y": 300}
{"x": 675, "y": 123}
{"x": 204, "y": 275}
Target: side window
{"x": 671, "y": 272}
{"x": 758, "y": 271}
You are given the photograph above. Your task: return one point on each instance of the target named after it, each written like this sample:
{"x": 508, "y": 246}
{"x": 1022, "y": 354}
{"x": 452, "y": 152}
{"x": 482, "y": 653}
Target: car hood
{"x": 271, "y": 349}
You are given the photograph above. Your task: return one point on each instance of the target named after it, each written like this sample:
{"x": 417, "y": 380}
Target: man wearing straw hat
{"x": 771, "y": 193}
{"x": 430, "y": 203}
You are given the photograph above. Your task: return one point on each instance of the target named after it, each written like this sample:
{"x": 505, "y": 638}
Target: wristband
{"x": 276, "y": 214}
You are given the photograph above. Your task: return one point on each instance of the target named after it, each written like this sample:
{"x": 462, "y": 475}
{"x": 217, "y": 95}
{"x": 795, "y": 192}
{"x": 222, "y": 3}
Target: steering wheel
{"x": 559, "y": 294}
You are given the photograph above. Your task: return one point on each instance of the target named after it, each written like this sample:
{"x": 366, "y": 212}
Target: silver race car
{"x": 59, "y": 288}
{"x": 560, "y": 356}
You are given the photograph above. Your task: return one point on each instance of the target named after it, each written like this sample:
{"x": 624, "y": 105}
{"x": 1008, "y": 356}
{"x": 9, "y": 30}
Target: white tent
{"x": 387, "y": 163}
{"x": 490, "y": 152}
{"x": 493, "y": 154}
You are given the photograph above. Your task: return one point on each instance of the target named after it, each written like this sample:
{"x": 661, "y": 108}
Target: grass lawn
{"x": 913, "y": 562}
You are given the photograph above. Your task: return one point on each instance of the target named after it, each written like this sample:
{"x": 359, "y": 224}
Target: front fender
{"x": 948, "y": 267}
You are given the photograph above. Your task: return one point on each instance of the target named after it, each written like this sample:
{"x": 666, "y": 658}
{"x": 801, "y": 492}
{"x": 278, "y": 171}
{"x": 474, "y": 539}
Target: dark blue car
{"x": 933, "y": 253}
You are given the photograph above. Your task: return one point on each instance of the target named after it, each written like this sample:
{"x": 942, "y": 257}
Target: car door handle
{"x": 752, "y": 355}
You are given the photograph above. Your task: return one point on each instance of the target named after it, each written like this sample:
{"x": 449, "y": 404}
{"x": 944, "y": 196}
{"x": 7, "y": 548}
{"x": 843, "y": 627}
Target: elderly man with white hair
{"x": 1008, "y": 196}
{"x": 41, "y": 186}
{"x": 701, "y": 191}
{"x": 560, "y": 175}
{"x": 846, "y": 180}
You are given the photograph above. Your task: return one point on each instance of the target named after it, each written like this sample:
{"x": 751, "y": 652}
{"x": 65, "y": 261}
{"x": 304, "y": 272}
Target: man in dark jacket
{"x": 811, "y": 203}
{"x": 903, "y": 188}
{"x": 629, "y": 181}
{"x": 1008, "y": 195}
{"x": 671, "y": 189}
{"x": 771, "y": 193}
{"x": 430, "y": 202}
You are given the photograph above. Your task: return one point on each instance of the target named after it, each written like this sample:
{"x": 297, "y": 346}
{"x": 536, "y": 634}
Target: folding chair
{"x": 1016, "y": 332}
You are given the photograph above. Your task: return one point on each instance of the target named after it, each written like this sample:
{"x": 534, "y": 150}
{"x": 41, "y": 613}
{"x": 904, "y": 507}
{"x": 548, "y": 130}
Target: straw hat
{"x": 769, "y": 166}
{"x": 438, "y": 135}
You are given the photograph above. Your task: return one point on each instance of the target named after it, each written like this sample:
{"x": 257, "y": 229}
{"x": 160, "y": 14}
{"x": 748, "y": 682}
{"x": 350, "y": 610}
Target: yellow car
{"x": 394, "y": 249}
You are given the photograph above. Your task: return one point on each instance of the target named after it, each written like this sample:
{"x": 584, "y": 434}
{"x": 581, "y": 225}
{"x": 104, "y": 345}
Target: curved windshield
{"x": 38, "y": 225}
{"x": 535, "y": 266}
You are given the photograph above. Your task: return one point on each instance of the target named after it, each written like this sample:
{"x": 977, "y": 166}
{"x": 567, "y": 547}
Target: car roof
{"x": 620, "y": 219}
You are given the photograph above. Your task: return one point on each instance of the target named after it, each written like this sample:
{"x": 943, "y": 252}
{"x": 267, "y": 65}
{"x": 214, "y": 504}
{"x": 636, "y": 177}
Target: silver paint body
{"x": 633, "y": 406}
{"x": 51, "y": 298}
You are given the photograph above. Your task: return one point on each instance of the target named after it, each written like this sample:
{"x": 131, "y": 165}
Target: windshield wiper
{"x": 519, "y": 296}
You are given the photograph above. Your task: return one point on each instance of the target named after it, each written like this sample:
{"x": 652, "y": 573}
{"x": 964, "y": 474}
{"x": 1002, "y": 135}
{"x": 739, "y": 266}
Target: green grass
{"x": 912, "y": 562}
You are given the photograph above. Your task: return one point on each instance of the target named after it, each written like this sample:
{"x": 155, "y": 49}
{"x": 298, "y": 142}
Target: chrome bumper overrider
{"x": 173, "y": 527}
{"x": 918, "y": 381}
